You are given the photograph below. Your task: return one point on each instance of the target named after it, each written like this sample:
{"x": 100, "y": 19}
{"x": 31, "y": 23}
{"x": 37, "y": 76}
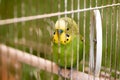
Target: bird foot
{"x": 95, "y": 40}
{"x": 70, "y": 73}
{"x": 59, "y": 71}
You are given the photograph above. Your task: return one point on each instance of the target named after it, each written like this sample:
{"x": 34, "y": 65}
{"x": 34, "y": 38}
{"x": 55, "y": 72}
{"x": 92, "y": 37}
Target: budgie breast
{"x": 65, "y": 55}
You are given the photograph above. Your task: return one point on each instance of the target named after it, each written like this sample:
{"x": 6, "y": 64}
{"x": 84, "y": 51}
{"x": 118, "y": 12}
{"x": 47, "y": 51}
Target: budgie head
{"x": 65, "y": 30}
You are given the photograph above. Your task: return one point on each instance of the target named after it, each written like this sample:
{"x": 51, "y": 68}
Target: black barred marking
{"x": 64, "y": 41}
{"x": 67, "y": 35}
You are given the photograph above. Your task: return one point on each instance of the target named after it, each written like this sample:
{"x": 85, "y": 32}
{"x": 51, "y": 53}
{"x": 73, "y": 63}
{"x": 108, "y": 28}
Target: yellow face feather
{"x": 60, "y": 35}
{"x": 62, "y": 38}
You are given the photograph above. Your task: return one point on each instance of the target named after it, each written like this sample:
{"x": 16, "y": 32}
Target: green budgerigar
{"x": 67, "y": 44}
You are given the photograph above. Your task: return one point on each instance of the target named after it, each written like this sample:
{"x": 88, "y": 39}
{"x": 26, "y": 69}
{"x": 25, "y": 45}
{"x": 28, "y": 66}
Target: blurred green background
{"x": 33, "y": 36}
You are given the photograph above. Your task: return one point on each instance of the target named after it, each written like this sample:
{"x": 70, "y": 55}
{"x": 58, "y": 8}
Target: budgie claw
{"x": 70, "y": 74}
{"x": 59, "y": 71}
{"x": 95, "y": 40}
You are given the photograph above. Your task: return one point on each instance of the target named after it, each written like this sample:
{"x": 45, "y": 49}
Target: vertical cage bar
{"x": 118, "y": 50}
{"x": 51, "y": 34}
{"x": 111, "y": 45}
{"x": 17, "y": 65}
{"x": 59, "y": 1}
{"x": 10, "y": 34}
{"x": 102, "y": 15}
{"x": 90, "y": 3}
{"x": 84, "y": 41}
{"x": 65, "y": 7}
{"x": 102, "y": 2}
{"x": 116, "y": 44}
{"x": 59, "y": 45}
{"x": 23, "y": 11}
{"x": 106, "y": 48}
{"x": 72, "y": 8}
{"x": 59, "y": 49}
{"x": 32, "y": 26}
{"x": 78, "y": 22}
{"x": 72, "y": 58}
{"x": 22, "y": 27}
{"x": 96, "y": 3}
{"x": 112, "y": 40}
{"x": 38, "y": 37}
{"x": 106, "y": 11}
{"x": 0, "y": 54}
{"x": 44, "y": 32}
{"x": 91, "y": 21}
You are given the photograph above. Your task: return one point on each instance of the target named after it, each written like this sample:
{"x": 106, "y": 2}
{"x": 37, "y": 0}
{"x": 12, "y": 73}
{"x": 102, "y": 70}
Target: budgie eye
{"x": 54, "y": 33}
{"x": 67, "y": 29}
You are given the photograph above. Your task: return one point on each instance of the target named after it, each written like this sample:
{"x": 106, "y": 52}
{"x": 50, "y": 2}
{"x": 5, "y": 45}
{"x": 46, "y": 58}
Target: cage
{"x": 27, "y": 28}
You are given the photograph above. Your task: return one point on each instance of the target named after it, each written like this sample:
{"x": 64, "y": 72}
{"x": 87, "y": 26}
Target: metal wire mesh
{"x": 26, "y": 46}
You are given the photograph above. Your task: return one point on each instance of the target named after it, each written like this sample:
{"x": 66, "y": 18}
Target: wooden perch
{"x": 44, "y": 64}
{"x": 42, "y": 48}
